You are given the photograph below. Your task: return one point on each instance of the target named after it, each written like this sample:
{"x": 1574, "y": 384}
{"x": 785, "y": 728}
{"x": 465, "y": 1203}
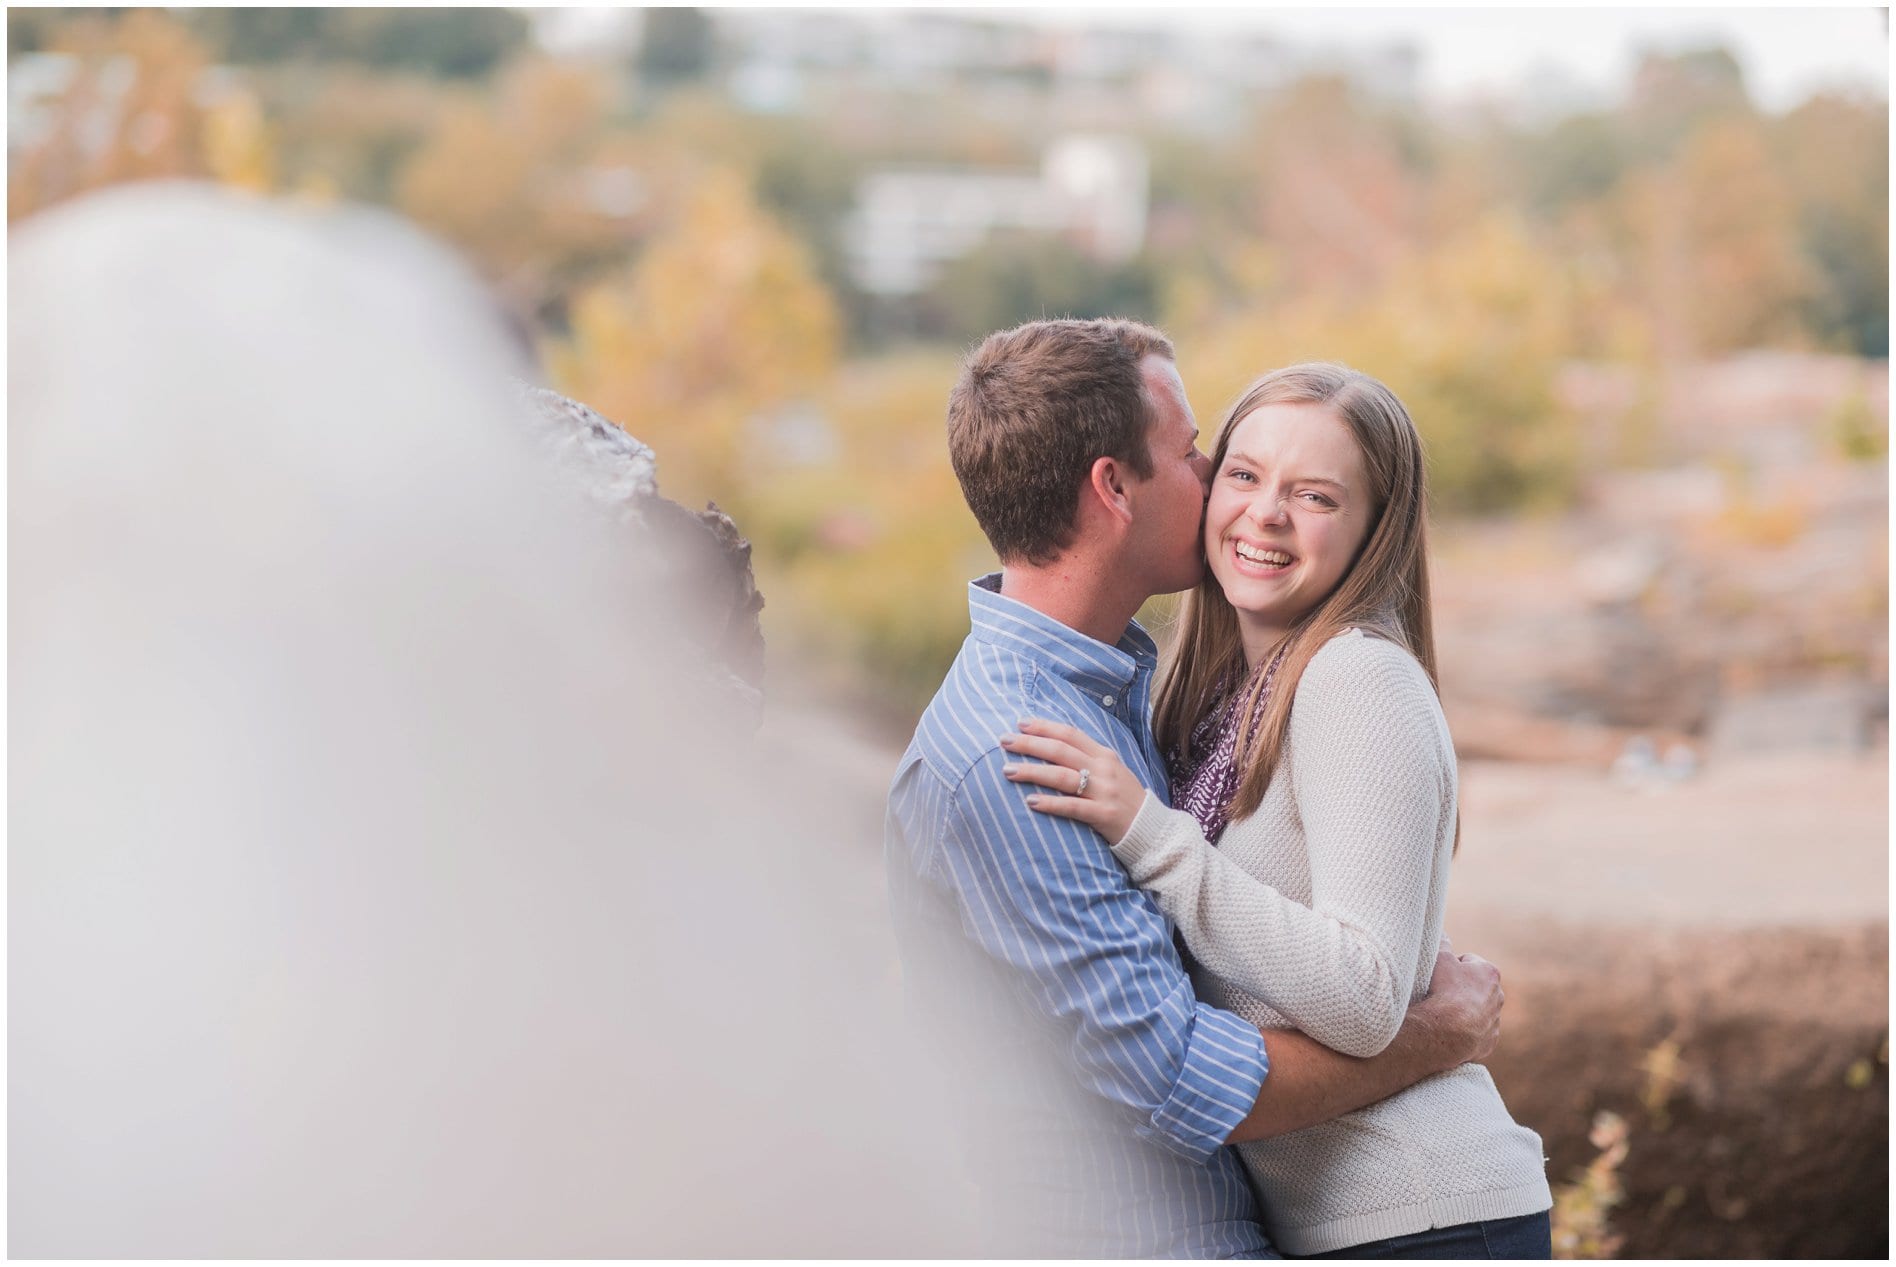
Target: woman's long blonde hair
{"x": 1385, "y": 591}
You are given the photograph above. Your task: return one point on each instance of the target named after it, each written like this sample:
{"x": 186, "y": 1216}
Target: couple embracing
{"x": 1177, "y": 930}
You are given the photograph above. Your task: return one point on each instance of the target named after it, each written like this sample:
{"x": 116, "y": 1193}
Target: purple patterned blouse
{"x": 1205, "y": 786}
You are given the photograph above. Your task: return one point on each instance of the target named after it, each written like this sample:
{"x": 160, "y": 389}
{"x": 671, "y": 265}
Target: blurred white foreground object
{"x": 379, "y": 886}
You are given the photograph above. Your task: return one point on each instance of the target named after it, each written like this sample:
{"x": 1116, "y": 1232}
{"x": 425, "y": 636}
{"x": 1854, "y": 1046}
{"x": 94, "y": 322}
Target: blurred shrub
{"x": 1857, "y": 432}
{"x": 1582, "y": 1207}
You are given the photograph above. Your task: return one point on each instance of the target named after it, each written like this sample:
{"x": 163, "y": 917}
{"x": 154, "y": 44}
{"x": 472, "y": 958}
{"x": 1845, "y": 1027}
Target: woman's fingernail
{"x": 1007, "y": 741}
{"x": 1010, "y": 770}
{"x": 1033, "y": 800}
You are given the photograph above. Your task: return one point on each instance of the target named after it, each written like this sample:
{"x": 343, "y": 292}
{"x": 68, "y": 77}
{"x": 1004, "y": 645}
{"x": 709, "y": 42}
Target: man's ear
{"x": 1106, "y": 487}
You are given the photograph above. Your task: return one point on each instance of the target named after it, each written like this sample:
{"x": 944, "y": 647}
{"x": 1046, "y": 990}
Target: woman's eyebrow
{"x": 1235, "y": 455}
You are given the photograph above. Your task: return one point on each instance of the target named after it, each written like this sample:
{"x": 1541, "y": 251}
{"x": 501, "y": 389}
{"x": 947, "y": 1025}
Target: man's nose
{"x": 1202, "y": 465}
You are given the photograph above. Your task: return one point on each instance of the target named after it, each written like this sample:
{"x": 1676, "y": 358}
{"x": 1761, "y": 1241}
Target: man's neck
{"x": 1074, "y": 594}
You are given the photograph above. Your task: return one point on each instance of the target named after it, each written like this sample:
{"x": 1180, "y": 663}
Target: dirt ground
{"x": 1772, "y": 1141}
{"x": 1740, "y": 916}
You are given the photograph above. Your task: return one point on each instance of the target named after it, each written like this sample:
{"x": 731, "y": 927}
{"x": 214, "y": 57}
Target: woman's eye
{"x": 1317, "y": 499}
{"x": 1239, "y": 475}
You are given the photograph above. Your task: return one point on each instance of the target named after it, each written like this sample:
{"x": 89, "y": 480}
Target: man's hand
{"x": 1462, "y": 1015}
{"x": 1308, "y": 1083}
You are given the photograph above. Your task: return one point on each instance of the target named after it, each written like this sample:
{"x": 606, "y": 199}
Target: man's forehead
{"x": 1164, "y": 384}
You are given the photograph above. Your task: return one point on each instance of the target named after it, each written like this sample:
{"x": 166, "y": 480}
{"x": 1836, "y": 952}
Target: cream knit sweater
{"x": 1322, "y": 912}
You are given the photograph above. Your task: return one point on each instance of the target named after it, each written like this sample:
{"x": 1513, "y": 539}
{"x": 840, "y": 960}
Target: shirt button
{"x": 1107, "y": 700}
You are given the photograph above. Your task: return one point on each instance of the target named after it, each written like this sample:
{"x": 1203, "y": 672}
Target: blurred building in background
{"x": 1090, "y": 191}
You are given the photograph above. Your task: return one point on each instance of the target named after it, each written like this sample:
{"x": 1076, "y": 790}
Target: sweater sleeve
{"x": 1369, "y": 772}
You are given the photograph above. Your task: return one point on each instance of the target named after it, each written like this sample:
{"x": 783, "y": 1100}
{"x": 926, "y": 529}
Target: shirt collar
{"x": 1086, "y": 662}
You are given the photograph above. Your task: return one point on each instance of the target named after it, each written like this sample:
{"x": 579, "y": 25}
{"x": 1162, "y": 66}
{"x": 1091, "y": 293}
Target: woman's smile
{"x": 1262, "y": 561}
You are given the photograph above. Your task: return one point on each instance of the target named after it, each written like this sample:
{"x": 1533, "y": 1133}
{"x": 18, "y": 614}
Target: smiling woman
{"x": 1307, "y": 865}
{"x": 1341, "y": 448}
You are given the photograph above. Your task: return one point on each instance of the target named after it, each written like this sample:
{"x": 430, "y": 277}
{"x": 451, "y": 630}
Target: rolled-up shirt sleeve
{"x": 1044, "y": 896}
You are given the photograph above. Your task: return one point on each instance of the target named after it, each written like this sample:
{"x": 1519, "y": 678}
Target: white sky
{"x": 1787, "y": 53}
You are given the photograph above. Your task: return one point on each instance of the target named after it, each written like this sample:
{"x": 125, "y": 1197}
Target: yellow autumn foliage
{"x": 1470, "y": 335}
{"x": 722, "y": 319}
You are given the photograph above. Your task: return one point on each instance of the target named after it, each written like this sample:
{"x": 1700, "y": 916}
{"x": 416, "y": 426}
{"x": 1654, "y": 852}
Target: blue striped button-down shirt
{"x": 1099, "y": 1090}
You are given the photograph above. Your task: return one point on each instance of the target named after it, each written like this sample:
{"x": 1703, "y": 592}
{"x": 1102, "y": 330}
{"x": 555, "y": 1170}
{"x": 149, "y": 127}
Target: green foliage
{"x": 678, "y": 46}
{"x": 451, "y": 43}
{"x": 1834, "y": 155}
{"x": 32, "y": 30}
{"x": 1197, "y": 179}
{"x": 1851, "y": 310}
{"x": 1016, "y": 278}
{"x": 809, "y": 185}
{"x": 1576, "y": 161}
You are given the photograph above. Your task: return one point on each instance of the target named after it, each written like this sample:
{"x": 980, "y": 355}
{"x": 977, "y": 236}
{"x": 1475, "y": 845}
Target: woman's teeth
{"x": 1271, "y": 558}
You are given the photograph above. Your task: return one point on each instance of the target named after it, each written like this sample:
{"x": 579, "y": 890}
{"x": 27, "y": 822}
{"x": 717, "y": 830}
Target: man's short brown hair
{"x": 1033, "y": 409}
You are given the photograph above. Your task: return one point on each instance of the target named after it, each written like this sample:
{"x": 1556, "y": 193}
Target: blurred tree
{"x": 677, "y": 46}
{"x": 1202, "y": 197}
{"x": 1209, "y": 181}
{"x": 1471, "y": 336}
{"x": 1834, "y": 153}
{"x": 31, "y": 30}
{"x": 1022, "y": 277}
{"x": 142, "y": 102}
{"x": 1674, "y": 95}
{"x": 800, "y": 173}
{"x": 1338, "y": 187}
{"x": 533, "y": 184}
{"x": 721, "y": 320}
{"x": 261, "y": 36}
{"x": 350, "y": 132}
{"x": 1578, "y": 160}
{"x": 810, "y": 185}
{"x": 451, "y": 43}
{"x": 1718, "y": 245}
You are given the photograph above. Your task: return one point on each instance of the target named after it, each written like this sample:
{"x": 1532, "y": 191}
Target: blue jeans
{"x": 1529, "y": 1236}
